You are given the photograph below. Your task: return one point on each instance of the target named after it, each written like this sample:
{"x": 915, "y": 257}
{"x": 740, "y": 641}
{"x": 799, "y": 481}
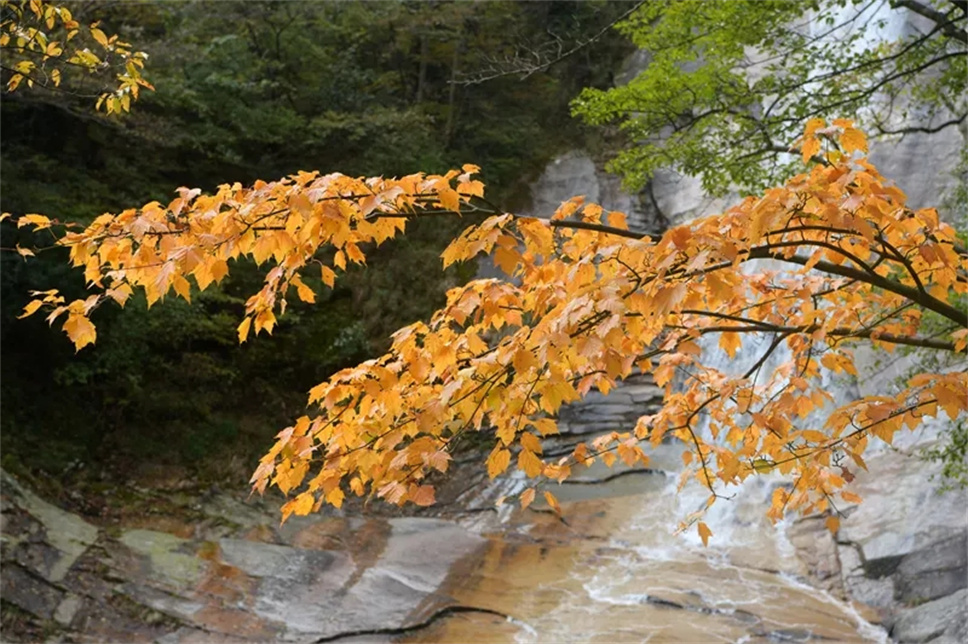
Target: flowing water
{"x": 615, "y": 572}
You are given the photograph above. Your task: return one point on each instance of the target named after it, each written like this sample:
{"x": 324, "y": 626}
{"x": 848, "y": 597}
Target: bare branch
{"x": 525, "y": 68}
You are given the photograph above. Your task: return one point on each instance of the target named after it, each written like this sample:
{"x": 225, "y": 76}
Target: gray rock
{"x": 903, "y": 510}
{"x": 945, "y": 617}
{"x": 575, "y": 173}
{"x": 170, "y": 559}
{"x": 851, "y": 565}
{"x": 878, "y": 593}
{"x": 268, "y": 560}
{"x": 936, "y": 571}
{"x": 67, "y": 535}
{"x": 29, "y": 592}
{"x": 67, "y": 609}
{"x": 323, "y": 593}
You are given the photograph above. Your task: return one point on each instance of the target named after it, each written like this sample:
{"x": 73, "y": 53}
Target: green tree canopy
{"x": 728, "y": 84}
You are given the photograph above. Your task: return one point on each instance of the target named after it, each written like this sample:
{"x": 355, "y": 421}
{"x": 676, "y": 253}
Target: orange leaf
{"x": 553, "y": 502}
{"x": 833, "y": 524}
{"x": 704, "y": 533}
{"x": 424, "y": 495}
{"x": 527, "y": 497}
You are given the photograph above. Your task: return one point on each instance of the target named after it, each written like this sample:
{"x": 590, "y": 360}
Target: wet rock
{"x": 817, "y": 550}
{"x": 941, "y": 620}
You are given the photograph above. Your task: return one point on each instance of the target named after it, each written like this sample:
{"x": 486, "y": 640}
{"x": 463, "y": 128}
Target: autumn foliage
{"x": 829, "y": 260}
{"x": 41, "y": 42}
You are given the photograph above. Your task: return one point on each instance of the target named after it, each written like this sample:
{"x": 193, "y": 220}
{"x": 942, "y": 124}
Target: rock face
{"x": 904, "y": 550}
{"x": 575, "y": 173}
{"x": 319, "y": 579}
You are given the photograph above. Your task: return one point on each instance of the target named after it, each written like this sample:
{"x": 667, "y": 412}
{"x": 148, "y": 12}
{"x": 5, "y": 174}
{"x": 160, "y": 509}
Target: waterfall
{"x": 615, "y": 571}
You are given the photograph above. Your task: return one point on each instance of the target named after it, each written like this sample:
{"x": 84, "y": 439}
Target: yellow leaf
{"x": 300, "y": 506}
{"x": 618, "y": 220}
{"x": 305, "y": 293}
{"x": 182, "y": 287}
{"x": 357, "y": 486}
{"x": 449, "y": 199}
{"x": 763, "y": 465}
{"x": 529, "y": 463}
{"x": 809, "y": 148}
{"x": 507, "y": 259}
{"x": 38, "y": 221}
{"x": 704, "y": 533}
{"x": 852, "y": 140}
{"x": 100, "y": 37}
{"x": 328, "y": 276}
{"x": 301, "y": 204}
{"x": 498, "y": 461}
{"x": 355, "y": 254}
{"x": 244, "y": 329}
{"x": 31, "y": 308}
{"x": 80, "y": 330}
{"x": 850, "y": 497}
{"x": 335, "y": 497}
{"x": 813, "y": 125}
{"x": 531, "y": 442}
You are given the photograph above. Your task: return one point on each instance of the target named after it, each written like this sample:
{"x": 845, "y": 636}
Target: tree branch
{"x": 925, "y": 130}
{"x": 528, "y": 69}
{"x": 935, "y": 16}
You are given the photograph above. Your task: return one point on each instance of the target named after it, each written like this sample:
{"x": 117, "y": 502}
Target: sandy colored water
{"x": 615, "y": 573}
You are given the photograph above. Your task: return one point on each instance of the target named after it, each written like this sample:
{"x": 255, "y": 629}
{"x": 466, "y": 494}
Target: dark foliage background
{"x": 249, "y": 90}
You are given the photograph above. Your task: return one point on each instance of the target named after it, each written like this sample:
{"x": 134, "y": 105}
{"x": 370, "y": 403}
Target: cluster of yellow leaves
{"x": 39, "y": 39}
{"x": 158, "y": 247}
{"x": 586, "y": 304}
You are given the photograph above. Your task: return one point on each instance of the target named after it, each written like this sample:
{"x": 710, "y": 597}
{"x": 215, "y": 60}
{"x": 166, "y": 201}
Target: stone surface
{"x": 66, "y": 536}
{"x": 67, "y": 609}
{"x": 817, "y": 549}
{"x": 29, "y": 592}
{"x": 575, "y": 173}
{"x": 903, "y": 509}
{"x": 170, "y": 559}
{"x": 940, "y": 620}
{"x": 933, "y": 572}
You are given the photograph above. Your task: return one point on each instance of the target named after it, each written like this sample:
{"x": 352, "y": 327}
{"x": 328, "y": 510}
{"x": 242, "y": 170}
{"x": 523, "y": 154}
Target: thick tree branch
{"x": 934, "y": 16}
